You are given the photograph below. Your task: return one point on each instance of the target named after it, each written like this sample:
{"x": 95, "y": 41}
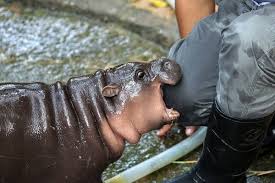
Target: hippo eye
{"x": 140, "y": 74}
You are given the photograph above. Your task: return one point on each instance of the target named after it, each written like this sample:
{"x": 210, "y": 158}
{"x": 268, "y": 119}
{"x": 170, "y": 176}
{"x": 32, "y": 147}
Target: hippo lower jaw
{"x": 134, "y": 131}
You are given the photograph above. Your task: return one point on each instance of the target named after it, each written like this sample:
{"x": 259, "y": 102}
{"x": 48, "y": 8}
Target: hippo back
{"x": 44, "y": 135}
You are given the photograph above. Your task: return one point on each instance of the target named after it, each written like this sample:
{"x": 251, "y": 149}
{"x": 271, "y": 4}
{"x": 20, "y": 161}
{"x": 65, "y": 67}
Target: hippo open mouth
{"x": 171, "y": 114}
{"x": 157, "y": 114}
{"x": 138, "y": 104}
{"x": 171, "y": 77}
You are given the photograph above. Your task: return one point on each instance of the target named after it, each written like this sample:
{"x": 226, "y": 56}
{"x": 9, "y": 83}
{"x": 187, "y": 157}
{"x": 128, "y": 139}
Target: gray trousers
{"x": 229, "y": 56}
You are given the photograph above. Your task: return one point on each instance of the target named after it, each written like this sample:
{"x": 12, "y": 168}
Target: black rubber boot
{"x": 230, "y": 147}
{"x": 269, "y": 142}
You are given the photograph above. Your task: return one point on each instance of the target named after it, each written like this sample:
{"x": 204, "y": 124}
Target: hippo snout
{"x": 168, "y": 71}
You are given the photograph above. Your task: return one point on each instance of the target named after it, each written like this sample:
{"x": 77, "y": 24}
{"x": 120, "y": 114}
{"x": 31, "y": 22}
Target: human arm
{"x": 189, "y": 12}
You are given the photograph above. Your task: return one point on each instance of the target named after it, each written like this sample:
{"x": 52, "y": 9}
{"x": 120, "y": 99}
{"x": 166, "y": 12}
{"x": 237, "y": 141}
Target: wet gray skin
{"x": 43, "y": 45}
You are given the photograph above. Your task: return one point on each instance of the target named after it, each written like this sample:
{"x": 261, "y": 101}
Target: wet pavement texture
{"x": 45, "y": 45}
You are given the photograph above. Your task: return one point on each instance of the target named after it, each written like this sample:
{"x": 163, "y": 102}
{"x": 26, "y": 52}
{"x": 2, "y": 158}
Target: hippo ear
{"x": 111, "y": 90}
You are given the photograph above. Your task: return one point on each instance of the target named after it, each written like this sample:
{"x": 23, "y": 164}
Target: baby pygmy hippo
{"x": 70, "y": 132}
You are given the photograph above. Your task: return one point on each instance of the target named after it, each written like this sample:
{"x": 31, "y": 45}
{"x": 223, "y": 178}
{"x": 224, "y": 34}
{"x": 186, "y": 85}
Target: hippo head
{"x": 134, "y": 94}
